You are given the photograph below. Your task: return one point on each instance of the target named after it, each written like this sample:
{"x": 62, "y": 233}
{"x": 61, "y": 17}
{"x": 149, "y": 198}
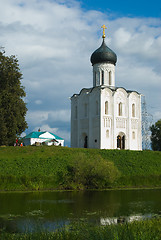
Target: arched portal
{"x": 121, "y": 141}
{"x": 86, "y": 142}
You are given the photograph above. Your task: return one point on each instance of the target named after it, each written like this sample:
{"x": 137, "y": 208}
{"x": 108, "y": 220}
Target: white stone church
{"x": 105, "y": 116}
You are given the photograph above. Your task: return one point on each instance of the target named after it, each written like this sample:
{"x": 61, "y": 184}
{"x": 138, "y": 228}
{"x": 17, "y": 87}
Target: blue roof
{"x": 37, "y": 135}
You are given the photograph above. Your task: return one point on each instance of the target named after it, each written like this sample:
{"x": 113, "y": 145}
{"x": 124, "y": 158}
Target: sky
{"x": 54, "y": 39}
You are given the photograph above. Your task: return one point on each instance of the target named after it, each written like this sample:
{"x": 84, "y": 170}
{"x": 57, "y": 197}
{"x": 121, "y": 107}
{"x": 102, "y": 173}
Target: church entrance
{"x": 121, "y": 141}
{"x": 86, "y": 142}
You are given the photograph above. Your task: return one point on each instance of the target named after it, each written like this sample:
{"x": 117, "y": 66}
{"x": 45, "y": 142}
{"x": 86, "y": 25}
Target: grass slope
{"x": 38, "y": 168}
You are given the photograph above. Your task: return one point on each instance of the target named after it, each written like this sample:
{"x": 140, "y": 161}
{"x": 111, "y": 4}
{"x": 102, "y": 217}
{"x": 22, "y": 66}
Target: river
{"x": 27, "y": 211}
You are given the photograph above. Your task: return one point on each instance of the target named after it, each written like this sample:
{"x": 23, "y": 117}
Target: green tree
{"x": 12, "y": 106}
{"x": 156, "y": 136}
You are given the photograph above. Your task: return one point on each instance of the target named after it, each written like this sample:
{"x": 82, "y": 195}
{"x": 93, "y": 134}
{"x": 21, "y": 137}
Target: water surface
{"x": 27, "y": 211}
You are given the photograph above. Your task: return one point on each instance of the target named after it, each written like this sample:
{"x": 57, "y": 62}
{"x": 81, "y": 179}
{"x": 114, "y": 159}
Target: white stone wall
{"x": 94, "y": 118}
{"x": 74, "y": 121}
{"x": 135, "y": 135}
{"x": 102, "y": 128}
{"x": 87, "y": 121}
{"x": 107, "y": 119}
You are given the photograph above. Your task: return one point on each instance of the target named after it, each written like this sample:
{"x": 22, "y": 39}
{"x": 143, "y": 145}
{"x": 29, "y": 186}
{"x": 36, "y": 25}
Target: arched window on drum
{"x": 102, "y": 77}
{"x": 110, "y": 78}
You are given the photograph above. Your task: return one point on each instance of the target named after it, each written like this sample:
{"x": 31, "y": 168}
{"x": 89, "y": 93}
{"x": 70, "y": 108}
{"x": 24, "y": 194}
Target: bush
{"x": 89, "y": 172}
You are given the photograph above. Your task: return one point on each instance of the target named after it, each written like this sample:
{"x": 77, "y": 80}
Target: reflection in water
{"x": 28, "y": 211}
{"x": 129, "y": 219}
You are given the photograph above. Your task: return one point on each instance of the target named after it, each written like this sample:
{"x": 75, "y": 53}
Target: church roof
{"x": 103, "y": 54}
{"x": 113, "y": 89}
{"x": 42, "y": 135}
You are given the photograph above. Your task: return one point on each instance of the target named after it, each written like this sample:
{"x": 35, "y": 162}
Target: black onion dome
{"x": 103, "y": 54}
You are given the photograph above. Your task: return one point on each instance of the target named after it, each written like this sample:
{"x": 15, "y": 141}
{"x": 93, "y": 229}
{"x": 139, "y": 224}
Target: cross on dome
{"x": 104, "y": 27}
{"x": 103, "y": 54}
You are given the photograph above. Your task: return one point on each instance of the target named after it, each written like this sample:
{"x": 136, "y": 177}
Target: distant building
{"x": 46, "y": 138}
{"x": 105, "y": 116}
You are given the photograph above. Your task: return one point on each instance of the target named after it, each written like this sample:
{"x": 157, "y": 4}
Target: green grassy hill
{"x": 39, "y": 168}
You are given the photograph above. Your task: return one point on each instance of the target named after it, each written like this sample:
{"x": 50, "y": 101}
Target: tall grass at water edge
{"x": 142, "y": 230}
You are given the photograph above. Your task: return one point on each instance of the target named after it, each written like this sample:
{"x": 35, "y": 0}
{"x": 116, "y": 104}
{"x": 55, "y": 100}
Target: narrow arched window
{"x": 107, "y": 134}
{"x": 133, "y": 110}
{"x": 110, "y": 81}
{"x": 95, "y": 78}
{"x": 120, "y": 109}
{"x": 106, "y": 107}
{"x": 96, "y": 107}
{"x": 133, "y": 135}
{"x": 102, "y": 77}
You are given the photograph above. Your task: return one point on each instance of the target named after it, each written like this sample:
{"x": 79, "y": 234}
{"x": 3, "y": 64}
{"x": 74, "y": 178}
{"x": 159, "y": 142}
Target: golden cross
{"x": 104, "y": 27}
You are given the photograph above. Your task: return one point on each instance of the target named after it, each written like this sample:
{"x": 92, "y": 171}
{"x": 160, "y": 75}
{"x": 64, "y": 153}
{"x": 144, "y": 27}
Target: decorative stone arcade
{"x": 105, "y": 116}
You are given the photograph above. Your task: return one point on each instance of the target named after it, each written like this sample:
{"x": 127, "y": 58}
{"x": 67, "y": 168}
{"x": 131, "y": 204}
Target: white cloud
{"x": 124, "y": 37}
{"x": 52, "y": 116}
{"x": 38, "y": 102}
{"x": 53, "y": 41}
{"x": 36, "y": 117}
{"x": 46, "y": 127}
{"x": 157, "y": 116}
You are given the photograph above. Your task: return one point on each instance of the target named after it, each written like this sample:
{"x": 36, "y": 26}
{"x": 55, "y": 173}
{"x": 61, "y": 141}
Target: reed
{"x": 138, "y": 230}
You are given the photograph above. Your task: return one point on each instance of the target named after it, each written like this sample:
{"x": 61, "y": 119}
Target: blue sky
{"x": 125, "y": 8}
{"x": 54, "y": 39}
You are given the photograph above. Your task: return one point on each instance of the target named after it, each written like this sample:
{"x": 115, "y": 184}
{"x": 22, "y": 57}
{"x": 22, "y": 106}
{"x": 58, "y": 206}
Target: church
{"x": 105, "y": 116}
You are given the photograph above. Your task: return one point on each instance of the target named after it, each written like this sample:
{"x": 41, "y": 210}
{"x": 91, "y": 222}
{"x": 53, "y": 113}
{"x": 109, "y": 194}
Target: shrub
{"x": 90, "y": 172}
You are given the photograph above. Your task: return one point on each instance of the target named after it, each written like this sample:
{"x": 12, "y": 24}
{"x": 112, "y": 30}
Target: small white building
{"x": 105, "y": 116}
{"x": 46, "y": 138}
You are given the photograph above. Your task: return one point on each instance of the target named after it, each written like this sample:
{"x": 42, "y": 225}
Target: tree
{"x": 156, "y": 136}
{"x": 12, "y": 106}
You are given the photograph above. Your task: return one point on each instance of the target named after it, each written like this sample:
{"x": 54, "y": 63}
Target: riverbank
{"x": 59, "y": 168}
{"x": 138, "y": 230}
